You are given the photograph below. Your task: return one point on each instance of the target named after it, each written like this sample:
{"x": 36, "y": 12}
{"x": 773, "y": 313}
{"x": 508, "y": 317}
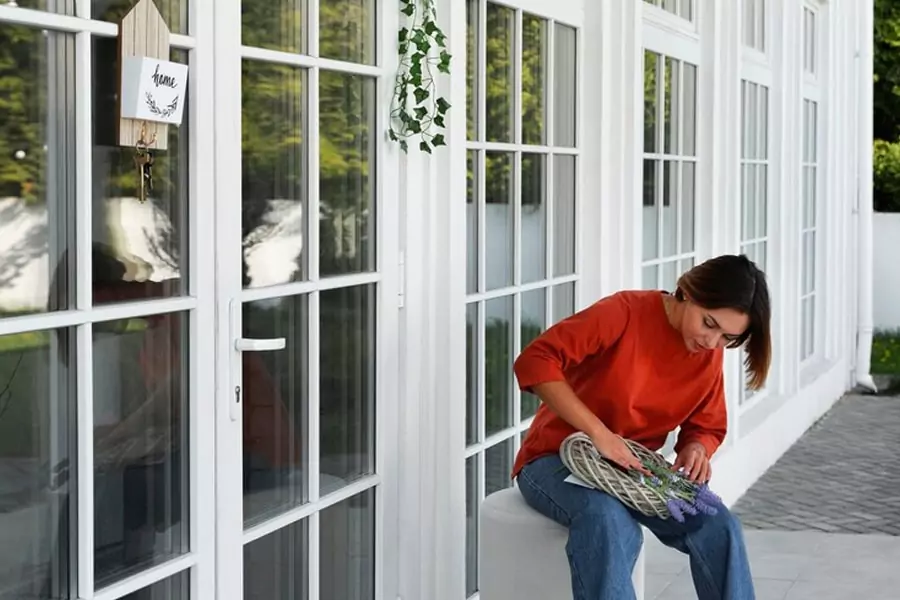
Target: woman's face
{"x": 708, "y": 329}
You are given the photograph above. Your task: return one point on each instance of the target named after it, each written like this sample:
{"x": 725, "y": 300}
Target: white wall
{"x": 886, "y": 295}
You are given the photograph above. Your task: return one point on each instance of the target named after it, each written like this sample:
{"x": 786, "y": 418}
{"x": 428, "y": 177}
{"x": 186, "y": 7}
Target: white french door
{"x": 307, "y": 303}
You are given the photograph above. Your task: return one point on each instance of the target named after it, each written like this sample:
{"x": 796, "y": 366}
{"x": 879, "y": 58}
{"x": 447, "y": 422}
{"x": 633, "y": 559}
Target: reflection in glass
{"x": 471, "y": 373}
{"x": 534, "y": 315}
{"x": 174, "y": 12}
{"x": 565, "y": 86}
{"x": 473, "y": 114}
{"x": 671, "y": 107}
{"x": 177, "y": 587}
{"x": 276, "y": 567}
{"x": 669, "y": 275}
{"x": 274, "y": 175}
{"x": 670, "y": 208}
{"x": 275, "y": 397}
{"x": 809, "y": 262}
{"x": 651, "y": 120}
{"x": 346, "y": 172}
{"x": 563, "y": 301}
{"x": 685, "y": 265}
{"x": 347, "y": 30}
{"x": 498, "y": 461}
{"x": 534, "y": 218}
{"x": 37, "y": 174}
{"x": 472, "y": 183}
{"x": 807, "y": 334}
{"x": 688, "y": 198}
{"x": 501, "y": 40}
{"x": 809, "y": 197}
{"x": 689, "y": 110}
{"x": 472, "y": 477}
{"x": 498, "y": 338}
{"x": 499, "y": 228}
{"x": 37, "y": 464}
{"x": 650, "y": 277}
{"x": 649, "y": 210}
{"x": 275, "y": 24}
{"x": 139, "y": 249}
{"x": 347, "y": 549}
{"x": 64, "y": 7}
{"x": 564, "y": 185}
{"x": 140, "y": 444}
{"x": 347, "y": 385}
{"x": 534, "y": 80}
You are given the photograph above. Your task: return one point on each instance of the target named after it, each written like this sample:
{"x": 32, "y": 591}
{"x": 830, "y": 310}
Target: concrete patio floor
{"x": 793, "y": 565}
{"x": 824, "y": 522}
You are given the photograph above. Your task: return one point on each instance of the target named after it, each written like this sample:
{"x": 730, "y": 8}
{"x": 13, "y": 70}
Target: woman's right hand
{"x": 614, "y": 448}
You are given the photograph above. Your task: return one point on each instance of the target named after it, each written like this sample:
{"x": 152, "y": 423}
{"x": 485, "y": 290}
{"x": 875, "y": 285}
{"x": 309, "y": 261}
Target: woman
{"x": 637, "y": 365}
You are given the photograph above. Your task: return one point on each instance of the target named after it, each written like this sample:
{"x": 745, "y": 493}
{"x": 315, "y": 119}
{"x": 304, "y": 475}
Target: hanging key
{"x": 147, "y": 174}
{"x": 140, "y": 159}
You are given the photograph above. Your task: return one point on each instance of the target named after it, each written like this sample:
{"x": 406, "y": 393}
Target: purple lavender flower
{"x": 703, "y": 507}
{"x": 675, "y": 510}
{"x": 708, "y": 496}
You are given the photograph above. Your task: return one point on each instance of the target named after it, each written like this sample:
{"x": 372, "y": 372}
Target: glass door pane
{"x": 307, "y": 283}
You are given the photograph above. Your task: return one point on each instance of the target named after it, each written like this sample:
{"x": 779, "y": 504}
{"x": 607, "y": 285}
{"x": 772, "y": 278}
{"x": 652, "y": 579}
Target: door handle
{"x": 259, "y": 345}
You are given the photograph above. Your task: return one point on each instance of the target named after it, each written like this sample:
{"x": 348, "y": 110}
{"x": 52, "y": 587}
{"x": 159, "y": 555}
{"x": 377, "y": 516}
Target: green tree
{"x": 886, "y": 92}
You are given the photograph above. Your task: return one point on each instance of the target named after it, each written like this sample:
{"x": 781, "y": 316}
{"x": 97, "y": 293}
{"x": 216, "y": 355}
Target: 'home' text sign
{"x": 153, "y": 89}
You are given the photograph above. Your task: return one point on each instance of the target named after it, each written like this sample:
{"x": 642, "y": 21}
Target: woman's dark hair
{"x": 736, "y": 282}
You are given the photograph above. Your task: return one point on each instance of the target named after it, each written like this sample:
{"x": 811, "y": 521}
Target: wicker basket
{"x": 581, "y": 457}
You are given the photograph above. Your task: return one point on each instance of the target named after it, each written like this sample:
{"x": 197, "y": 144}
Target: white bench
{"x": 522, "y": 553}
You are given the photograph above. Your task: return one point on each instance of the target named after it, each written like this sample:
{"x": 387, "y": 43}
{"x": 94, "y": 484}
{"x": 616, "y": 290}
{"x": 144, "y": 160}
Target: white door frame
{"x": 230, "y": 534}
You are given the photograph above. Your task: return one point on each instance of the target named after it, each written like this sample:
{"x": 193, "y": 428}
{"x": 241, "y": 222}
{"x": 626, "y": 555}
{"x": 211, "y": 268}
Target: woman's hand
{"x": 614, "y": 448}
{"x": 695, "y": 462}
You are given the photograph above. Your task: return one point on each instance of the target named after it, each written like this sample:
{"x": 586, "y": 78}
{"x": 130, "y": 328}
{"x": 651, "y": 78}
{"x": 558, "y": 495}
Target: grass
{"x": 886, "y": 353}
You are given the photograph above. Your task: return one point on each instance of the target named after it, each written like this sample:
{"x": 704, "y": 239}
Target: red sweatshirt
{"x": 631, "y": 368}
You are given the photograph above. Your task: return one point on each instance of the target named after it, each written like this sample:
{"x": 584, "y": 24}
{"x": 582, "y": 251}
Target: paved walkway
{"x": 793, "y": 565}
{"x": 842, "y": 476}
{"x": 824, "y": 522}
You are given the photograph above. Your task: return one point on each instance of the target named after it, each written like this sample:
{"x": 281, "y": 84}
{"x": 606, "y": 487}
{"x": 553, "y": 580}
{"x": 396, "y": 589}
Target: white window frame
{"x": 198, "y": 303}
{"x": 565, "y": 14}
{"x": 812, "y": 90}
{"x": 674, "y": 17}
{"x": 757, "y": 66}
{"x": 760, "y": 29}
{"x": 671, "y": 37}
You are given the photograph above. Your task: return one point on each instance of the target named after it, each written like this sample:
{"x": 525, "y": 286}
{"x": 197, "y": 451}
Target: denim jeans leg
{"x": 604, "y": 537}
{"x": 715, "y": 544}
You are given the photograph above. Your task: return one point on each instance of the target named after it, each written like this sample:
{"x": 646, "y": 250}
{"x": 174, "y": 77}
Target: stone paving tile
{"x": 842, "y": 476}
{"x": 793, "y": 565}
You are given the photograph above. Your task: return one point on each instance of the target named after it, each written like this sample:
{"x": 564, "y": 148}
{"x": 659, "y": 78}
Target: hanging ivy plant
{"x": 417, "y": 110}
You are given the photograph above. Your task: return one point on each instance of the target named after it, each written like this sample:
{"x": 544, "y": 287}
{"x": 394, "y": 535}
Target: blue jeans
{"x": 605, "y": 538}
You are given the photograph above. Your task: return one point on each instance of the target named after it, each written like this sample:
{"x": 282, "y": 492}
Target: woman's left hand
{"x": 695, "y": 462}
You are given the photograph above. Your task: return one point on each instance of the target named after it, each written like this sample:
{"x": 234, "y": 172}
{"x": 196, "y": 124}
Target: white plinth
{"x": 522, "y": 554}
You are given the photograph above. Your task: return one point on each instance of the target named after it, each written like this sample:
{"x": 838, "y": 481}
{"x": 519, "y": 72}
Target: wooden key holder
{"x": 152, "y": 89}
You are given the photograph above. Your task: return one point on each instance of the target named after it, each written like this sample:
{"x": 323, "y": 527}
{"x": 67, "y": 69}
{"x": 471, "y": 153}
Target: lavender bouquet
{"x": 681, "y": 495}
{"x": 663, "y": 494}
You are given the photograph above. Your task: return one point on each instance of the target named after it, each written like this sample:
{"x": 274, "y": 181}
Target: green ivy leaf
{"x": 443, "y": 106}
{"x": 439, "y": 121}
{"x": 430, "y": 27}
{"x": 421, "y": 95}
{"x": 404, "y": 146}
{"x": 401, "y": 35}
{"x": 438, "y": 140}
{"x": 421, "y": 111}
{"x": 408, "y": 10}
{"x": 424, "y": 147}
{"x": 392, "y": 135}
